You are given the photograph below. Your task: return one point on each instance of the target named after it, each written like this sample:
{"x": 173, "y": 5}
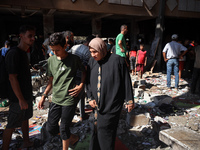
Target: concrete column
{"x": 96, "y": 27}
{"x": 48, "y": 24}
{"x": 159, "y": 34}
{"x": 134, "y": 31}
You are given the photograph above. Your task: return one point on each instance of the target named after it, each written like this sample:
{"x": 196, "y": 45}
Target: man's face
{"x": 58, "y": 50}
{"x": 95, "y": 54}
{"x": 125, "y": 29}
{"x": 28, "y": 38}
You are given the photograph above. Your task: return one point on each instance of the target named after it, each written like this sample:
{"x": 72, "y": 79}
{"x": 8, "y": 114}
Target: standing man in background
{"x": 171, "y": 54}
{"x": 121, "y": 42}
{"x": 20, "y": 92}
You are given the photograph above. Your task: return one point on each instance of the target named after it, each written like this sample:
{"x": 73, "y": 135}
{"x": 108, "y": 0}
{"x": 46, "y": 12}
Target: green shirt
{"x": 118, "y": 49}
{"x": 64, "y": 73}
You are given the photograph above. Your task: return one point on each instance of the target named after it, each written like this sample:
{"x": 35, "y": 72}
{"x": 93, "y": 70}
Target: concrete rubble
{"x": 157, "y": 112}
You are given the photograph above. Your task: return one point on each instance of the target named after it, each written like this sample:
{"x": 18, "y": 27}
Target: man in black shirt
{"x": 20, "y": 93}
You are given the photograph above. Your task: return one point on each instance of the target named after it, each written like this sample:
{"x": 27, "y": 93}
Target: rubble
{"x": 157, "y": 110}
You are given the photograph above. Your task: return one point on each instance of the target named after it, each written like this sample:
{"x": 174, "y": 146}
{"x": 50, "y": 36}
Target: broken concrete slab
{"x": 139, "y": 120}
{"x": 180, "y": 138}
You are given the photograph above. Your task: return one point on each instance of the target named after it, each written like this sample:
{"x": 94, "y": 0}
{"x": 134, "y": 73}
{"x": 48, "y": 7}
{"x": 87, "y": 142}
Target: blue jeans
{"x": 172, "y": 63}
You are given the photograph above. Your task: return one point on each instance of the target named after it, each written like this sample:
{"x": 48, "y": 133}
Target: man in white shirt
{"x": 171, "y": 54}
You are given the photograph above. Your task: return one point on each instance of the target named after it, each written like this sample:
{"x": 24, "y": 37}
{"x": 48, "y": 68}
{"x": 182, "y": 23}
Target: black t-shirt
{"x": 17, "y": 63}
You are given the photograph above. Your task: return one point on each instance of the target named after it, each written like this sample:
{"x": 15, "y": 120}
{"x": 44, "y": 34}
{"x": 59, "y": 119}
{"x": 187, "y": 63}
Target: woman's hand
{"x": 130, "y": 107}
{"x": 92, "y": 103}
{"x": 75, "y": 91}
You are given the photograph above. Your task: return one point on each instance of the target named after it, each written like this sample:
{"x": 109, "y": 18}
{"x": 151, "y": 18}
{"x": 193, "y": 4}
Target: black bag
{"x": 4, "y": 80}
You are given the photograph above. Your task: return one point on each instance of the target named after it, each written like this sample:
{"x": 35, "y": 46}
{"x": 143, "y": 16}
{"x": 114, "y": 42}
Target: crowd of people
{"x": 96, "y": 69}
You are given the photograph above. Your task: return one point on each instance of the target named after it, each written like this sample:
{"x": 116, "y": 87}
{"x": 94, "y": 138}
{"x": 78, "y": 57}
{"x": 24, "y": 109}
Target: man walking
{"x": 171, "y": 53}
{"x": 20, "y": 93}
{"x": 82, "y": 50}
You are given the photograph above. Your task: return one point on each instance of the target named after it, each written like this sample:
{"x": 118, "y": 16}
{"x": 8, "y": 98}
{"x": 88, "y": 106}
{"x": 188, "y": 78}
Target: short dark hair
{"x": 89, "y": 38}
{"x": 57, "y": 38}
{"x": 25, "y": 28}
{"x": 67, "y": 34}
{"x": 122, "y": 27}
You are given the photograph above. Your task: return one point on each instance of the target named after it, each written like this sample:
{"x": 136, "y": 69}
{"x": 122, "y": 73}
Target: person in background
{"x": 45, "y": 47}
{"x": 133, "y": 54}
{"x": 5, "y": 48}
{"x": 62, "y": 69}
{"x": 196, "y": 71}
{"x": 108, "y": 85}
{"x": 121, "y": 43}
{"x": 69, "y": 37}
{"x": 181, "y": 60}
{"x": 20, "y": 93}
{"x": 171, "y": 54}
{"x": 82, "y": 50}
{"x": 141, "y": 60}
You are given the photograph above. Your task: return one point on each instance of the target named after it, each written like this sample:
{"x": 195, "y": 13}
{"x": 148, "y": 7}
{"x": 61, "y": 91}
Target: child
{"x": 62, "y": 68}
{"x": 141, "y": 60}
{"x": 132, "y": 55}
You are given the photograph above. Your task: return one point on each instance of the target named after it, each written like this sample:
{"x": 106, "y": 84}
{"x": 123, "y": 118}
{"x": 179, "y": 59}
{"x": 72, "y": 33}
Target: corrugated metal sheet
{"x": 114, "y": 1}
{"x": 172, "y": 4}
{"x": 137, "y": 2}
{"x": 150, "y": 3}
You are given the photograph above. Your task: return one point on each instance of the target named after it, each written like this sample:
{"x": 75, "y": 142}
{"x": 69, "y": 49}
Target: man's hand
{"x": 41, "y": 103}
{"x": 92, "y": 103}
{"x": 23, "y": 104}
{"x": 75, "y": 91}
{"x": 130, "y": 107}
{"x": 122, "y": 50}
{"x": 166, "y": 59}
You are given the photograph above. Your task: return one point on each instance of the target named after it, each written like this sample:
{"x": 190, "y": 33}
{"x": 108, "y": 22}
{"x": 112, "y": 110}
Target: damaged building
{"x": 162, "y": 119}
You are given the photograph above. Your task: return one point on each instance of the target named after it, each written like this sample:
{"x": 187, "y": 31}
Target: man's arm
{"x": 16, "y": 88}
{"x": 164, "y": 56}
{"x": 121, "y": 46}
{"x": 48, "y": 88}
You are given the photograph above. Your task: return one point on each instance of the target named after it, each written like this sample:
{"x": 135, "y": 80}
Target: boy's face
{"x": 28, "y": 38}
{"x": 58, "y": 50}
{"x": 141, "y": 47}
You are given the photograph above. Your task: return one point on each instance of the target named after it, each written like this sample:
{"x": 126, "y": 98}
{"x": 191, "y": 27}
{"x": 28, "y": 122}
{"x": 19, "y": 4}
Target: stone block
{"x": 178, "y": 120}
{"x": 180, "y": 138}
{"x": 139, "y": 120}
{"x": 136, "y": 132}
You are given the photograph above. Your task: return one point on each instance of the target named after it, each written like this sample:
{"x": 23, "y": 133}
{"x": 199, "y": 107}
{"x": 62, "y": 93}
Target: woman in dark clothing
{"x": 108, "y": 85}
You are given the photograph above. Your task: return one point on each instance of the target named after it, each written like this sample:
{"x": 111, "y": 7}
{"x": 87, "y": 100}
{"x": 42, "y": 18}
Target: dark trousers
{"x": 57, "y": 112}
{"x": 195, "y": 77}
{"x": 104, "y": 137}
